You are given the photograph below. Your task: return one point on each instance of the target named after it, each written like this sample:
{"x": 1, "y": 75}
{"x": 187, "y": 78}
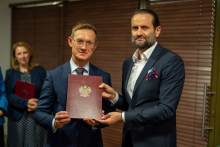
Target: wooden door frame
{"x": 214, "y": 117}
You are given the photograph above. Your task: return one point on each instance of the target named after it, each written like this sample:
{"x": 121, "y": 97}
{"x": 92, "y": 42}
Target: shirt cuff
{"x": 53, "y": 127}
{"x": 115, "y": 99}
{"x": 123, "y": 116}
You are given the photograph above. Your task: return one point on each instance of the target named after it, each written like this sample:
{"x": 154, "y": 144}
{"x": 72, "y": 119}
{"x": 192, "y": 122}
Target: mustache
{"x": 137, "y": 37}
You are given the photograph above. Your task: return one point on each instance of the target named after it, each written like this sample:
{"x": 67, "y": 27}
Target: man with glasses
{"x": 51, "y": 109}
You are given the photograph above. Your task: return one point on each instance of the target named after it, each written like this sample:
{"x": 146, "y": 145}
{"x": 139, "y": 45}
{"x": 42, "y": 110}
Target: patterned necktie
{"x": 80, "y": 71}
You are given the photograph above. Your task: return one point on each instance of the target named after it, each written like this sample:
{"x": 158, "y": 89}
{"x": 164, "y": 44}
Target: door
{"x": 214, "y": 117}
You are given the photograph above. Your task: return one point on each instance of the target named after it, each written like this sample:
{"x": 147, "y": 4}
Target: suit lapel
{"x": 153, "y": 58}
{"x": 17, "y": 75}
{"x": 34, "y": 76}
{"x": 92, "y": 71}
{"x": 65, "y": 71}
{"x": 129, "y": 67}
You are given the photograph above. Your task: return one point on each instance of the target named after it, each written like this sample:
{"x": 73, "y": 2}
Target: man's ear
{"x": 95, "y": 46}
{"x": 70, "y": 41}
{"x": 158, "y": 30}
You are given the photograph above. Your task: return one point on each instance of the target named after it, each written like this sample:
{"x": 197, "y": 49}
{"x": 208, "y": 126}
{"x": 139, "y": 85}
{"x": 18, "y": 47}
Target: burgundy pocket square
{"x": 151, "y": 74}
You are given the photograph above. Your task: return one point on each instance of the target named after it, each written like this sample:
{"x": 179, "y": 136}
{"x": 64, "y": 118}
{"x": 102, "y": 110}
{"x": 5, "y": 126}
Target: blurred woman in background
{"x": 22, "y": 129}
{"x": 3, "y": 108}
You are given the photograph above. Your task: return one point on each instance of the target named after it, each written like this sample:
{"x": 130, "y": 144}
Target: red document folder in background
{"x": 24, "y": 89}
{"x": 84, "y": 97}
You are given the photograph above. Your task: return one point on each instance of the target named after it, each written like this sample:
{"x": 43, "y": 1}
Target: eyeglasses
{"x": 80, "y": 42}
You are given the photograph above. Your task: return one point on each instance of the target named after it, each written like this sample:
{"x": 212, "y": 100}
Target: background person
{"x": 22, "y": 129}
{"x": 3, "y": 108}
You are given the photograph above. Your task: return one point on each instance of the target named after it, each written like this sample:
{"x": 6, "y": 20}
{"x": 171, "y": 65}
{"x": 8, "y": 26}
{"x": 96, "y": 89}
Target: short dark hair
{"x": 84, "y": 25}
{"x": 155, "y": 22}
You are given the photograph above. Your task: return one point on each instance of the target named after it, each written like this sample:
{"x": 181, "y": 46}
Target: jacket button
{"x": 132, "y": 108}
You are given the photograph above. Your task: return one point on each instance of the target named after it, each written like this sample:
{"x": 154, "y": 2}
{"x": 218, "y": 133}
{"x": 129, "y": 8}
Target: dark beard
{"x": 149, "y": 41}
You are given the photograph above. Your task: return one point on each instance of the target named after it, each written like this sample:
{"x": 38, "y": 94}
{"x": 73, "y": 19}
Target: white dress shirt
{"x": 135, "y": 72}
{"x": 73, "y": 68}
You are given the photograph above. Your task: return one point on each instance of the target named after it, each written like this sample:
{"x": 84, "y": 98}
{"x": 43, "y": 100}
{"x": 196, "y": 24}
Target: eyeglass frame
{"x": 93, "y": 43}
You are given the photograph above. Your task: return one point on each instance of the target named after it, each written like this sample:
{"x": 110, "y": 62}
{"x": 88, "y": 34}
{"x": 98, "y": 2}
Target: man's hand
{"x": 32, "y": 104}
{"x": 1, "y": 113}
{"x": 90, "y": 122}
{"x": 107, "y": 91}
{"x": 61, "y": 118}
{"x": 111, "y": 118}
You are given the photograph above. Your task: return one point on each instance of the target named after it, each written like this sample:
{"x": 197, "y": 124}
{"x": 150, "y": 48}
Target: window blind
{"x": 187, "y": 29}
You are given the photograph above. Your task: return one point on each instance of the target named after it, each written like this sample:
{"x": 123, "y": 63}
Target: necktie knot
{"x": 80, "y": 71}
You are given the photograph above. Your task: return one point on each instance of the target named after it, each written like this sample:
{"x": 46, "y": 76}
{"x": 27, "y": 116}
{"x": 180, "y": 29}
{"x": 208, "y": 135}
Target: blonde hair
{"x": 14, "y": 62}
{"x": 84, "y": 25}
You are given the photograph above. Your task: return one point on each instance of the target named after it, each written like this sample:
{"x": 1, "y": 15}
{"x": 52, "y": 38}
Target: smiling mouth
{"x": 83, "y": 53}
{"x": 140, "y": 38}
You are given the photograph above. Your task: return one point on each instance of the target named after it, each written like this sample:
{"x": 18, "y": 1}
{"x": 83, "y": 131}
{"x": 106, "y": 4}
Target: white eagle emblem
{"x": 84, "y": 91}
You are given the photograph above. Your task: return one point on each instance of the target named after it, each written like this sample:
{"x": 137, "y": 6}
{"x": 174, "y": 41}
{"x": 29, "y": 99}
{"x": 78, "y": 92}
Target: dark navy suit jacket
{"x": 17, "y": 106}
{"x": 76, "y": 133}
{"x": 151, "y": 112}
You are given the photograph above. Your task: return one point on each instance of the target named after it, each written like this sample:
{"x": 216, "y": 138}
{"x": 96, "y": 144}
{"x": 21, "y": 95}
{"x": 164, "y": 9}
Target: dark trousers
{"x": 129, "y": 141}
{"x": 2, "y": 136}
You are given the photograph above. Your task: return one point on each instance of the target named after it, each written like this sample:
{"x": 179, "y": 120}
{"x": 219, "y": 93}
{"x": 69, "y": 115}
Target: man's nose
{"x": 139, "y": 32}
{"x": 84, "y": 45}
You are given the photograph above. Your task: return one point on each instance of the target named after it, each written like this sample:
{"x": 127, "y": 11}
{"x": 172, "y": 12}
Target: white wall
{"x": 5, "y": 35}
{"x": 5, "y": 32}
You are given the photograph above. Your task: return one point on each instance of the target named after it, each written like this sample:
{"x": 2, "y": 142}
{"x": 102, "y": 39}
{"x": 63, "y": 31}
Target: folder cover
{"x": 84, "y": 97}
{"x": 24, "y": 89}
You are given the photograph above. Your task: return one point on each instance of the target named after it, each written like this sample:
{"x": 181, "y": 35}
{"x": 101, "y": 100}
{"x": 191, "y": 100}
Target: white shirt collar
{"x": 145, "y": 55}
{"x": 73, "y": 66}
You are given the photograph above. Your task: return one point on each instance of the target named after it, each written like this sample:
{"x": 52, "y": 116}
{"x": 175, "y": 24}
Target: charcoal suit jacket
{"x": 151, "y": 112}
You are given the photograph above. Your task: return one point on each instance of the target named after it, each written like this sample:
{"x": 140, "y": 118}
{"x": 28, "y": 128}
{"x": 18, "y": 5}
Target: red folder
{"x": 84, "y": 97}
{"x": 24, "y": 89}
